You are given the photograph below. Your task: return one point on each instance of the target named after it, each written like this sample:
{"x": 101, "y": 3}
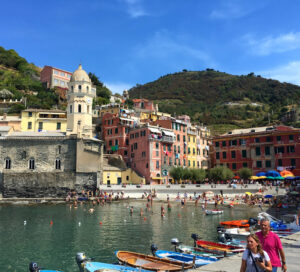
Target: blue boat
{"x": 86, "y": 265}
{"x": 33, "y": 267}
{"x": 196, "y": 260}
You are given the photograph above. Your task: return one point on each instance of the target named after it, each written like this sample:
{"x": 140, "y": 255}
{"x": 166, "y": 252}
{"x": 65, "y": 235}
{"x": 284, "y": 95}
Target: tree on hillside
{"x": 102, "y": 92}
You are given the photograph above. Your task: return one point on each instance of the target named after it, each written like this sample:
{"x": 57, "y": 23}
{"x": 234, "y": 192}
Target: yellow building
{"x": 203, "y": 142}
{"x": 115, "y": 172}
{"x": 43, "y": 120}
{"x": 191, "y": 147}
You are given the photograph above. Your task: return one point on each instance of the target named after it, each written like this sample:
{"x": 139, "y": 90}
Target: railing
{"x": 168, "y": 139}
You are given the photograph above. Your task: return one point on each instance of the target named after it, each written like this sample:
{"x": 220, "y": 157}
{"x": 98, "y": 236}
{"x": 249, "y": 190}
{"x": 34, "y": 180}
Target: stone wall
{"x": 46, "y": 184}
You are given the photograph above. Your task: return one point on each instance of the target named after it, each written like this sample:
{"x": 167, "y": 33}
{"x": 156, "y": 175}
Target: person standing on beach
{"x": 272, "y": 245}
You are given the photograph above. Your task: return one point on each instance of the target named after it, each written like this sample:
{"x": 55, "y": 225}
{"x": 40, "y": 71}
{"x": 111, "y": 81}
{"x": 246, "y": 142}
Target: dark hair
{"x": 259, "y": 246}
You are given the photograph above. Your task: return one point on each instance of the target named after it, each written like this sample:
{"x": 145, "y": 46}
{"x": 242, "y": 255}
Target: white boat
{"x": 278, "y": 224}
{"x": 212, "y": 212}
{"x": 237, "y": 233}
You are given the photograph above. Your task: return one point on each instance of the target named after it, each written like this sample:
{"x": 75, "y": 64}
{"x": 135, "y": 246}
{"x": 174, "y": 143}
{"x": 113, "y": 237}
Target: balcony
{"x": 154, "y": 137}
{"x": 168, "y": 139}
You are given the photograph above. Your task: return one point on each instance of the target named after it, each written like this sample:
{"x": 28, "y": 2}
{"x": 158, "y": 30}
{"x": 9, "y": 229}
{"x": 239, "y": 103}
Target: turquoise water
{"x": 108, "y": 229}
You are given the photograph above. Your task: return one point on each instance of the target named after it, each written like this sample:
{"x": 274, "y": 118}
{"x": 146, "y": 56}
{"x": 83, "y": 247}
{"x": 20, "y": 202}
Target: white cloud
{"x": 135, "y": 8}
{"x": 165, "y": 46}
{"x": 270, "y": 44}
{"x": 234, "y": 9}
{"x": 118, "y": 87}
{"x": 289, "y": 72}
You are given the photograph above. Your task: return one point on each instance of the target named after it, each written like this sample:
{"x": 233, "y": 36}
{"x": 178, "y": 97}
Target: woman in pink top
{"x": 272, "y": 245}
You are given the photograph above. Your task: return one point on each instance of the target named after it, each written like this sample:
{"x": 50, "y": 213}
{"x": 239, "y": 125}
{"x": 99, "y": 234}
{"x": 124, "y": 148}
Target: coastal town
{"x": 150, "y": 136}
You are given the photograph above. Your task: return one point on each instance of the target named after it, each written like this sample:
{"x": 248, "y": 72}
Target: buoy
{"x": 51, "y": 222}
{"x": 179, "y": 215}
{"x": 25, "y": 222}
{"x": 100, "y": 223}
{"x": 79, "y": 224}
{"x": 124, "y": 220}
{"x": 145, "y": 218}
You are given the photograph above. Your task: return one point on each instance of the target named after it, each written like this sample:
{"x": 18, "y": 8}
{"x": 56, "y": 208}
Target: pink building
{"x": 55, "y": 77}
{"x": 143, "y": 104}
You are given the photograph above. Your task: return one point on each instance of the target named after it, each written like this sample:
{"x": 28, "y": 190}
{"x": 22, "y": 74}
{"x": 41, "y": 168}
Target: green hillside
{"x": 220, "y": 100}
{"x": 21, "y": 79}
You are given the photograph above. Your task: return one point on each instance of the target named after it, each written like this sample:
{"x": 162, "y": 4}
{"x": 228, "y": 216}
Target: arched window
{"x": 72, "y": 88}
{"x": 31, "y": 164}
{"x": 7, "y": 163}
{"x": 71, "y": 109}
{"x": 87, "y": 89}
{"x": 79, "y": 107}
{"x": 79, "y": 88}
{"x": 57, "y": 164}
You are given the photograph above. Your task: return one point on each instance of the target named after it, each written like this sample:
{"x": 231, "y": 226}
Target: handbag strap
{"x": 253, "y": 260}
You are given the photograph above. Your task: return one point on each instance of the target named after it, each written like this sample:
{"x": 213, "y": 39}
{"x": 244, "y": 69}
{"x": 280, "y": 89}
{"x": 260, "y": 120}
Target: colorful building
{"x": 192, "y": 147}
{"x": 203, "y": 143}
{"x": 261, "y": 149}
{"x": 55, "y": 77}
{"x": 11, "y": 121}
{"x": 43, "y": 120}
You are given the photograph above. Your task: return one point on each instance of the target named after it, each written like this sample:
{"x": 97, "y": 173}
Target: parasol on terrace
{"x": 286, "y": 173}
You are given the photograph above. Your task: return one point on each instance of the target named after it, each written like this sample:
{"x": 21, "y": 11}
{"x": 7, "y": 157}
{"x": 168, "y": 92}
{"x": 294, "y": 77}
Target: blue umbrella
{"x": 260, "y": 174}
{"x": 268, "y": 196}
{"x": 273, "y": 174}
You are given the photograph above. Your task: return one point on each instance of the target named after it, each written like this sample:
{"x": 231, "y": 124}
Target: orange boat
{"x": 236, "y": 224}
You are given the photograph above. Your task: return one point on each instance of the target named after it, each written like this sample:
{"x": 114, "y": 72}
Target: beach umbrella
{"x": 280, "y": 178}
{"x": 254, "y": 177}
{"x": 286, "y": 173}
{"x": 268, "y": 196}
{"x": 262, "y": 177}
{"x": 261, "y": 174}
{"x": 289, "y": 178}
{"x": 270, "y": 177}
{"x": 248, "y": 193}
{"x": 272, "y": 173}
{"x": 236, "y": 177}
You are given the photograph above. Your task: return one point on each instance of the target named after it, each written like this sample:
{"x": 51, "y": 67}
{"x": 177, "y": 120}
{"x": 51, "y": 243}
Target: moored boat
{"x": 199, "y": 251}
{"x": 236, "y": 224}
{"x": 86, "y": 265}
{"x": 148, "y": 262}
{"x": 213, "y": 212}
{"x": 194, "y": 260}
{"x": 33, "y": 267}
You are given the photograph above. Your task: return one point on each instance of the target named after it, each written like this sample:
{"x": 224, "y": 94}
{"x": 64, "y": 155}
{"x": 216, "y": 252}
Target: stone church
{"x": 50, "y": 164}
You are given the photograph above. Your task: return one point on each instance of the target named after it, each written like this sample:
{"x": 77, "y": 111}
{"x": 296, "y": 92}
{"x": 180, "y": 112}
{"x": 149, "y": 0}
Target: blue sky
{"x": 129, "y": 42}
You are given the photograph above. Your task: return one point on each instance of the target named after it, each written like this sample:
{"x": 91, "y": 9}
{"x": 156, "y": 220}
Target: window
{"x": 194, "y": 151}
{"x": 110, "y": 143}
{"x": 30, "y": 114}
{"x": 242, "y": 141}
{"x": 189, "y": 163}
{"x": 291, "y": 137}
{"x": 157, "y": 153}
{"x": 29, "y": 125}
{"x": 59, "y": 149}
{"x": 267, "y": 150}
{"x": 79, "y": 88}
{"x": 147, "y": 165}
{"x": 269, "y": 139}
{"x": 178, "y": 149}
{"x": 279, "y": 162}
{"x": 189, "y": 138}
{"x": 62, "y": 73}
{"x": 135, "y": 145}
{"x": 164, "y": 147}
{"x": 136, "y": 135}
{"x": 184, "y": 162}
{"x": 169, "y": 148}
{"x": 233, "y": 143}
{"x": 40, "y": 125}
{"x": 127, "y": 177}
{"x": 217, "y": 155}
{"x": 87, "y": 88}
{"x": 88, "y": 109}
{"x": 178, "y": 137}
{"x": 189, "y": 150}
{"x": 233, "y": 154}
{"x": 71, "y": 109}
{"x": 156, "y": 145}
{"x": 170, "y": 161}
{"x": 144, "y": 154}
{"x": 224, "y": 155}
{"x": 244, "y": 153}
{"x": 234, "y": 166}
{"x": 127, "y": 142}
{"x": 278, "y": 138}
{"x": 7, "y": 163}
{"x": 293, "y": 162}
{"x": 174, "y": 148}
{"x": 193, "y": 163}
{"x": 116, "y": 142}
{"x": 57, "y": 164}
{"x": 257, "y": 151}
{"x": 125, "y": 153}
{"x": 217, "y": 144}
{"x": 268, "y": 164}
{"x": 116, "y": 131}
{"x": 157, "y": 164}
{"x": 31, "y": 164}
{"x": 58, "y": 126}
{"x": 257, "y": 140}
{"x": 79, "y": 108}
{"x": 290, "y": 149}
{"x": 245, "y": 164}
{"x": 258, "y": 164}
{"x": 224, "y": 143}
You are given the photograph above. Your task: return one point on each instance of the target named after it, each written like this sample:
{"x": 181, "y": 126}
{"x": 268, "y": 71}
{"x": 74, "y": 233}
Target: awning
{"x": 157, "y": 178}
{"x": 155, "y": 130}
{"x": 168, "y": 133}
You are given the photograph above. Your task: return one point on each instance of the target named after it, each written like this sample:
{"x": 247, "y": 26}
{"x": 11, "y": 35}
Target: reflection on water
{"x": 108, "y": 229}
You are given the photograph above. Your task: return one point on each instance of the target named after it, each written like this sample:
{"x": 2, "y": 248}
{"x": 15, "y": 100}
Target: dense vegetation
{"x": 219, "y": 100}
{"x": 22, "y": 80}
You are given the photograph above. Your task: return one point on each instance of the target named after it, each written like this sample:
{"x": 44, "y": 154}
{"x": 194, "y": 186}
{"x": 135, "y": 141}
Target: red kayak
{"x": 236, "y": 224}
{"x": 219, "y": 247}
